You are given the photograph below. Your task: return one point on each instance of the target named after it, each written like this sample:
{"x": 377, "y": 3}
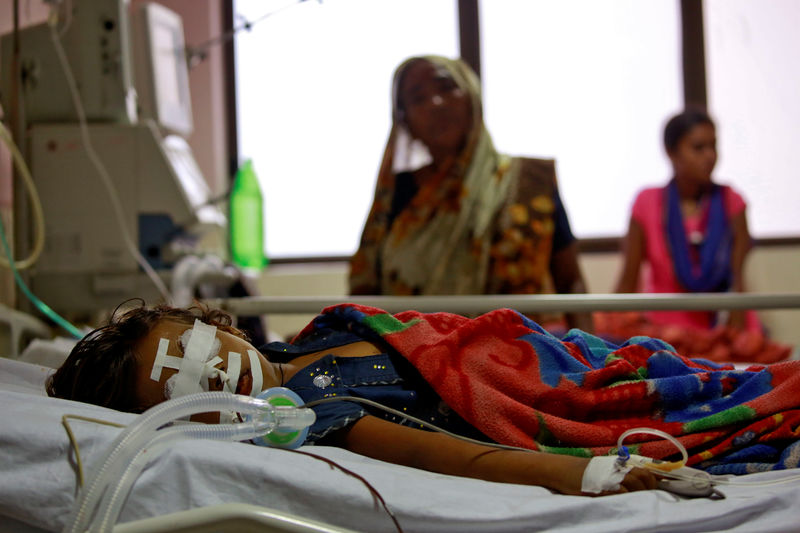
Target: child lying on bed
{"x": 113, "y": 367}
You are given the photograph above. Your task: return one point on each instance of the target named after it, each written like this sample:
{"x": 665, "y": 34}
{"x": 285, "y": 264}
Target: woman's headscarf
{"x": 441, "y": 241}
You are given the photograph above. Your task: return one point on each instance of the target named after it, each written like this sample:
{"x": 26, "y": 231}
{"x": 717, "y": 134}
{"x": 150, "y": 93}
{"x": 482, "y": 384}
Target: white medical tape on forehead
{"x": 183, "y": 342}
{"x": 255, "y": 370}
{"x": 234, "y": 369}
{"x": 200, "y": 344}
{"x": 163, "y": 360}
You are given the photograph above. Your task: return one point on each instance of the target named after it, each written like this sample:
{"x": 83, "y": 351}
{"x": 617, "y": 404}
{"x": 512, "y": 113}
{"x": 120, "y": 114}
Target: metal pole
{"x": 258, "y": 305}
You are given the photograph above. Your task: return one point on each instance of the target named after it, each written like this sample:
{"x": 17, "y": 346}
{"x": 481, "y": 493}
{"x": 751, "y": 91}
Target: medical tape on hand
{"x": 255, "y": 369}
{"x": 603, "y": 474}
{"x": 197, "y": 352}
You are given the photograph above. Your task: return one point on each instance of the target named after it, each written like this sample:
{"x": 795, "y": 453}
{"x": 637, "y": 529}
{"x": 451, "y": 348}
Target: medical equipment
{"x": 282, "y": 437}
{"x": 137, "y": 437}
{"x": 7, "y": 258}
{"x": 96, "y": 41}
{"x": 161, "y": 68}
{"x": 78, "y": 101}
{"x": 681, "y": 479}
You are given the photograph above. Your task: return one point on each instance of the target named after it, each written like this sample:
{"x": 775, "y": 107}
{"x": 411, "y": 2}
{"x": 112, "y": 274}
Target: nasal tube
{"x": 263, "y": 418}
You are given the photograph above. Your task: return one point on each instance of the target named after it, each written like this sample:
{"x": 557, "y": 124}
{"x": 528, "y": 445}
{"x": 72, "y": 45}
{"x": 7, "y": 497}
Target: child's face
{"x": 151, "y": 392}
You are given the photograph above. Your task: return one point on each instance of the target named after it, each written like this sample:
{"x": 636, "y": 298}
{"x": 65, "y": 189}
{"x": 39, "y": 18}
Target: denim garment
{"x": 389, "y": 380}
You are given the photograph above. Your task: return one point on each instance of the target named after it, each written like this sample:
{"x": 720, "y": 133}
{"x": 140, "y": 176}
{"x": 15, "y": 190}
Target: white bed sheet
{"x": 38, "y": 483}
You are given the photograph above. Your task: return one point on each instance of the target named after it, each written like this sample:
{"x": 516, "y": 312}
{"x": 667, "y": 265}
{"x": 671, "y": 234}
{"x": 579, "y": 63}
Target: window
{"x": 590, "y": 84}
{"x": 752, "y": 51}
{"x": 313, "y": 84}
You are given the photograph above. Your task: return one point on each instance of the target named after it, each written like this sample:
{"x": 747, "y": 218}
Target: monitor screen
{"x": 161, "y": 70}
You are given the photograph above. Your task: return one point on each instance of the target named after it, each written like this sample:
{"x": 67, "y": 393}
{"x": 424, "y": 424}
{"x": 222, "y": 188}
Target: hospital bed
{"x": 202, "y": 485}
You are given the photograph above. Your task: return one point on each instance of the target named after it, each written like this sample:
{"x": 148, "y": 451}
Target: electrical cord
{"x": 68, "y": 18}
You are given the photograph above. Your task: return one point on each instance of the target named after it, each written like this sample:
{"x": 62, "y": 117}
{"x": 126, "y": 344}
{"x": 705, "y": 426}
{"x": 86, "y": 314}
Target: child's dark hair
{"x": 680, "y": 124}
{"x": 100, "y": 369}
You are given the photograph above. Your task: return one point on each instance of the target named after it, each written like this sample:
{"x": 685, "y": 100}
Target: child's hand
{"x": 637, "y": 479}
{"x": 568, "y": 477}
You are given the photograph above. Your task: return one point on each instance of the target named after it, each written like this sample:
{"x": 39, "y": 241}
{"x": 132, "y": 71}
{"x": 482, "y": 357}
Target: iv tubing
{"x": 658, "y": 433}
{"x": 135, "y": 435}
{"x": 667, "y": 467}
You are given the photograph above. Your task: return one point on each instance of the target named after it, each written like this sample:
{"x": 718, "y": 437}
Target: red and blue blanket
{"x": 522, "y": 386}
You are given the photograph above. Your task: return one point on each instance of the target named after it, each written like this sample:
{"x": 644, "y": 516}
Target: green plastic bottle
{"x": 247, "y": 220}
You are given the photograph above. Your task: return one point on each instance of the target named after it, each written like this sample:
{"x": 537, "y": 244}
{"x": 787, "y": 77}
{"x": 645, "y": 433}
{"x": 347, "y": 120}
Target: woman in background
{"x": 692, "y": 234}
{"x": 450, "y": 214}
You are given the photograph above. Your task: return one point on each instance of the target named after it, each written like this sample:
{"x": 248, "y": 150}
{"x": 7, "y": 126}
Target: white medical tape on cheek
{"x": 255, "y": 369}
{"x": 194, "y": 359}
{"x": 158, "y": 362}
{"x": 209, "y": 370}
{"x": 603, "y": 474}
{"x": 163, "y": 360}
{"x": 169, "y": 386}
{"x": 229, "y": 382}
{"x": 234, "y": 369}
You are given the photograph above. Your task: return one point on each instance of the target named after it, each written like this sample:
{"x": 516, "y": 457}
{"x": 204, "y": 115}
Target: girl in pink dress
{"x": 690, "y": 235}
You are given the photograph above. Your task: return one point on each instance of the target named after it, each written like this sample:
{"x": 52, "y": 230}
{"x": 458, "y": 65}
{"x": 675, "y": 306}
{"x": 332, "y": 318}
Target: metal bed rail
{"x": 524, "y": 303}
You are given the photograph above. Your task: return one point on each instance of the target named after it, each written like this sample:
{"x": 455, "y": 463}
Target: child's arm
{"x": 437, "y": 452}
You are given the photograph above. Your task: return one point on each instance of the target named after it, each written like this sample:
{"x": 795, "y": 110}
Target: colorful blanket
{"x": 522, "y": 386}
